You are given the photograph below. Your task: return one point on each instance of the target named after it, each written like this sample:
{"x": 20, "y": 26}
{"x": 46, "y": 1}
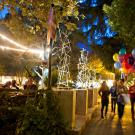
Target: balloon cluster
{"x": 125, "y": 62}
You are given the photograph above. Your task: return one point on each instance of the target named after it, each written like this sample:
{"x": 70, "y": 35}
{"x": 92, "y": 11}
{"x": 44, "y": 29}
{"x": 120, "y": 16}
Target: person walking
{"x": 113, "y": 92}
{"x": 132, "y": 99}
{"x": 121, "y": 89}
{"x": 104, "y": 93}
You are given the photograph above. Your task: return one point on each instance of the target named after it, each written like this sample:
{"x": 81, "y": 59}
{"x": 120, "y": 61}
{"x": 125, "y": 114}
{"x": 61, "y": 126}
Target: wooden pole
{"x": 49, "y": 65}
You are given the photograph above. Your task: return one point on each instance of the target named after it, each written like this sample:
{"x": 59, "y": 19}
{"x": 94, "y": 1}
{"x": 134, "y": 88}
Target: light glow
{"x": 36, "y": 51}
{"x": 23, "y": 48}
{"x": 12, "y": 42}
{"x": 13, "y": 49}
{"x": 48, "y": 49}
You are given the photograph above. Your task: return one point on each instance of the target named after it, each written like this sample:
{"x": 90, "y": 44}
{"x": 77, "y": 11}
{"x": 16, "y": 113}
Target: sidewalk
{"x": 82, "y": 121}
{"x": 111, "y": 125}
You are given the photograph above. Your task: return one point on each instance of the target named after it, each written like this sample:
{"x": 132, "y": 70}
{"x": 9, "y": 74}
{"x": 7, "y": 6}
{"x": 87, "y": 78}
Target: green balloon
{"x": 122, "y": 51}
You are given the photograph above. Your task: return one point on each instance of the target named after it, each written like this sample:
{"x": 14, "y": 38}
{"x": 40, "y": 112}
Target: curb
{"x": 85, "y": 120}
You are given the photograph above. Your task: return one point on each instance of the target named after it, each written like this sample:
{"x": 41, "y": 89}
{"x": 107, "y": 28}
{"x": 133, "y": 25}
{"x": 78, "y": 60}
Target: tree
{"x": 122, "y": 17}
{"x": 19, "y": 32}
{"x": 34, "y": 14}
{"x": 27, "y": 19}
{"x": 95, "y": 63}
{"x": 106, "y": 52}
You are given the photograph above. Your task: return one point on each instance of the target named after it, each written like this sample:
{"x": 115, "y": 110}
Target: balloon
{"x": 117, "y": 65}
{"x": 122, "y": 51}
{"x": 121, "y": 58}
{"x": 130, "y": 60}
{"x": 116, "y": 57}
{"x": 124, "y": 70}
{"x": 132, "y": 70}
{"x": 133, "y": 53}
{"x": 126, "y": 56}
{"x": 126, "y": 65}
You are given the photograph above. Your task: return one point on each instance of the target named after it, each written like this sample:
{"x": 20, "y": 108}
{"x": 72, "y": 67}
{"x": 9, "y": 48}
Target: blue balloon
{"x": 133, "y": 53}
{"x": 117, "y": 65}
{"x": 122, "y": 51}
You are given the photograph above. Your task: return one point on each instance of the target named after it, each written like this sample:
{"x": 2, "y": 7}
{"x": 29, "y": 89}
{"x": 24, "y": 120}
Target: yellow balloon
{"x": 116, "y": 57}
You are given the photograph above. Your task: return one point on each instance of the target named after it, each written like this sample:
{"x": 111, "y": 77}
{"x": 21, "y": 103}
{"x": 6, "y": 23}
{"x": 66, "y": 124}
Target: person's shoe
{"x": 133, "y": 118}
{"x": 120, "y": 120}
{"x": 102, "y": 117}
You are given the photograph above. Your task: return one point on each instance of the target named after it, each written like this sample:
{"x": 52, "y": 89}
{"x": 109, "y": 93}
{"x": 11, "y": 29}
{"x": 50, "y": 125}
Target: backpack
{"x": 113, "y": 91}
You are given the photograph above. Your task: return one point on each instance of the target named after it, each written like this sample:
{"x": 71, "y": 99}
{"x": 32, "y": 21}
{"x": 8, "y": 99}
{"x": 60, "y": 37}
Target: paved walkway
{"x": 111, "y": 125}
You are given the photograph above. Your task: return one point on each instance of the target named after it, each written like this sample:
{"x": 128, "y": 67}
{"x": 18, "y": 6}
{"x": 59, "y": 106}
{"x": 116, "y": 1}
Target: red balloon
{"x": 126, "y": 56}
{"x": 132, "y": 70}
{"x": 126, "y": 65}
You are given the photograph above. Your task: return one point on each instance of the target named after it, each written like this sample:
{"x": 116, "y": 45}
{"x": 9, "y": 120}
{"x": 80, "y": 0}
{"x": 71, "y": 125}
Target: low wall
{"x": 67, "y": 102}
{"x": 82, "y": 102}
{"x": 90, "y": 98}
{"x": 95, "y": 96}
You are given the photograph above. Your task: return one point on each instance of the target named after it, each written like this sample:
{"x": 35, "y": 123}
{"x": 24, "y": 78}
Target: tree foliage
{"x": 105, "y": 53}
{"x": 19, "y": 32}
{"x": 95, "y": 63}
{"x": 42, "y": 116}
{"x": 122, "y": 17}
{"x": 35, "y": 12}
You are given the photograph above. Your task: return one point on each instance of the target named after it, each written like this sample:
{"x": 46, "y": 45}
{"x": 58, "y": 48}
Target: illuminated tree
{"x": 95, "y": 63}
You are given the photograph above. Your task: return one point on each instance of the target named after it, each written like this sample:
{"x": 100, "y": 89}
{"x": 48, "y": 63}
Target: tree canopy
{"x": 34, "y": 13}
{"x": 122, "y": 17}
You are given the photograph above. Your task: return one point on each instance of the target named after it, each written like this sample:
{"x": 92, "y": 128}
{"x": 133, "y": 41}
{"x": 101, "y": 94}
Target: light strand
{"x": 21, "y": 50}
{"x": 12, "y": 42}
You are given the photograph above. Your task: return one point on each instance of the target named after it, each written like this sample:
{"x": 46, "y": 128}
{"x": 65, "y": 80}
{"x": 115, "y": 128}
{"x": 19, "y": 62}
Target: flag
{"x": 51, "y": 28}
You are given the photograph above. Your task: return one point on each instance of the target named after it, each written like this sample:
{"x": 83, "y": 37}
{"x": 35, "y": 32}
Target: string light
{"x": 12, "y": 42}
{"x": 35, "y": 51}
{"x": 23, "y": 48}
{"x": 13, "y": 49}
{"x": 64, "y": 60}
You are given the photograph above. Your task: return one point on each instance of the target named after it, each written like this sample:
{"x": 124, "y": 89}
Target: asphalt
{"x": 111, "y": 125}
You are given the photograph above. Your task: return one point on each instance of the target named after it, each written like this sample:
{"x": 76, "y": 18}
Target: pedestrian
{"x": 104, "y": 93}
{"x": 113, "y": 92}
{"x": 14, "y": 85}
{"x": 121, "y": 89}
{"x": 7, "y": 85}
{"x": 132, "y": 98}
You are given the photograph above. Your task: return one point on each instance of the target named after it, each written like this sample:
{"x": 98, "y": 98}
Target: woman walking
{"x": 121, "y": 89}
{"x": 104, "y": 93}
